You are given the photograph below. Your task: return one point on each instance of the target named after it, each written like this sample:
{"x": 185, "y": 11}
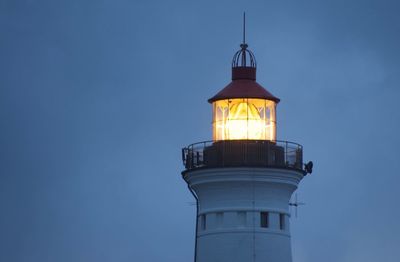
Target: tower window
{"x": 264, "y": 219}
{"x": 203, "y": 222}
{"x": 282, "y": 221}
{"x": 220, "y": 218}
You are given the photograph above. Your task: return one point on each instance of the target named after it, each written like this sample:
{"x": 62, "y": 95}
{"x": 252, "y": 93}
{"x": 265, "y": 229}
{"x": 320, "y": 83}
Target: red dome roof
{"x": 243, "y": 85}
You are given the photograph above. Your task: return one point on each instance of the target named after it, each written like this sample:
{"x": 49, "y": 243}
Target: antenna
{"x": 244, "y": 28}
{"x": 243, "y": 46}
{"x": 296, "y": 204}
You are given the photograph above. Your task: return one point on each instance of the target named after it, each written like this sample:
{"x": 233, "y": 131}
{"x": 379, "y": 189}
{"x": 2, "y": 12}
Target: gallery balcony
{"x": 243, "y": 153}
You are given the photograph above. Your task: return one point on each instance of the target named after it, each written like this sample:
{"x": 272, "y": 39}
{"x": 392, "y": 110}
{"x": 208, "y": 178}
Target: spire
{"x": 244, "y": 45}
{"x": 244, "y": 57}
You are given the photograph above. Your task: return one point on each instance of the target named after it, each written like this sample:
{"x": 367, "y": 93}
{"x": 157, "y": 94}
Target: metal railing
{"x": 231, "y": 153}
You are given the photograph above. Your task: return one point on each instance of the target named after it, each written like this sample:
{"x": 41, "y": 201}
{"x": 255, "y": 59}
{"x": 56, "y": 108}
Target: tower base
{"x": 243, "y": 213}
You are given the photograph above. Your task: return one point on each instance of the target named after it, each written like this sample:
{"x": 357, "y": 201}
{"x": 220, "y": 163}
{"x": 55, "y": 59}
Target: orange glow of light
{"x": 236, "y": 119}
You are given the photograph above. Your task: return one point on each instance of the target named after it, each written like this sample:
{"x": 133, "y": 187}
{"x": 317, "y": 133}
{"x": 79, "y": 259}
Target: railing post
{"x": 286, "y": 157}
{"x": 204, "y": 149}
{"x": 223, "y": 152}
{"x": 245, "y": 153}
{"x": 192, "y": 157}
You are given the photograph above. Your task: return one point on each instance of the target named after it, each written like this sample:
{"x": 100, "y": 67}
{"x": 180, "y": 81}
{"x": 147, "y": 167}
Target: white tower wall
{"x": 231, "y": 203}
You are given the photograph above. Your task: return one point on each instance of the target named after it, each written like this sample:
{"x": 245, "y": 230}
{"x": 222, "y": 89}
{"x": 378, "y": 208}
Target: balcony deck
{"x": 235, "y": 153}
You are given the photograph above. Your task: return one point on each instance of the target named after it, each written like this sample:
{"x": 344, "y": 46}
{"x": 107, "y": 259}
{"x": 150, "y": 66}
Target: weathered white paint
{"x": 232, "y": 199}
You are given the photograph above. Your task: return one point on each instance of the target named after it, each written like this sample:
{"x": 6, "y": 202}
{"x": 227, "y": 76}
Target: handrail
{"x": 229, "y": 153}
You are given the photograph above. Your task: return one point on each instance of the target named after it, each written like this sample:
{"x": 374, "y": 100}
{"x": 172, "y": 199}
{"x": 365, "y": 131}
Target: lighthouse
{"x": 243, "y": 179}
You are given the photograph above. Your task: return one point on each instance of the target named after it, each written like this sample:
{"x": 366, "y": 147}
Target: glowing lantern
{"x": 244, "y": 118}
{"x": 244, "y": 110}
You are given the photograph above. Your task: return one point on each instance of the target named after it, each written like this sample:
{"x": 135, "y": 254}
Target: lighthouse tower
{"x": 243, "y": 179}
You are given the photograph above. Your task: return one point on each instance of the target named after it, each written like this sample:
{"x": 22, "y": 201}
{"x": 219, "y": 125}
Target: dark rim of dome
{"x": 243, "y": 89}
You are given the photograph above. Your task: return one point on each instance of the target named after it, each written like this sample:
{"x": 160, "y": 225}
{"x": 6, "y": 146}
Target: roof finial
{"x": 244, "y": 45}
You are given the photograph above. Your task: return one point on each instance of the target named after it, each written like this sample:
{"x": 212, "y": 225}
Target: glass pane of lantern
{"x": 243, "y": 118}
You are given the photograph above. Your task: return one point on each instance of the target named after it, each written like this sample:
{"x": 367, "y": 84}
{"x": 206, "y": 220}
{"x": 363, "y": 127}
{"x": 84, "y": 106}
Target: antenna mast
{"x": 296, "y": 204}
{"x": 244, "y": 28}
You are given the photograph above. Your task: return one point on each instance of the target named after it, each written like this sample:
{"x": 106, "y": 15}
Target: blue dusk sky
{"x": 97, "y": 98}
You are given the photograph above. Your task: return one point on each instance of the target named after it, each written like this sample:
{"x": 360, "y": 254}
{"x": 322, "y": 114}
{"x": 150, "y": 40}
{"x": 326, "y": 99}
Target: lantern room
{"x": 244, "y": 110}
{"x": 244, "y": 125}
